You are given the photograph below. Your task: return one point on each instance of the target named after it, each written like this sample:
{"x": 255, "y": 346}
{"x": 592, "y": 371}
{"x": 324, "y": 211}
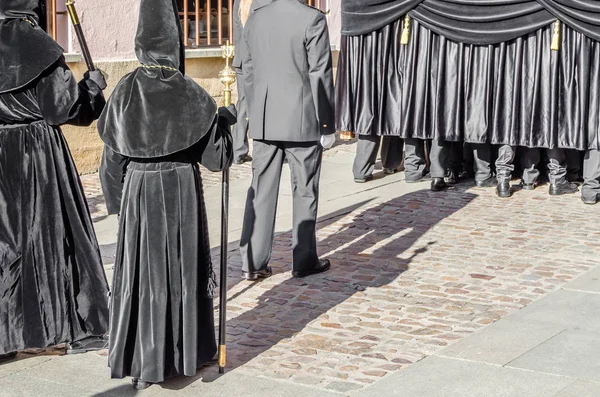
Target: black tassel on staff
{"x": 227, "y": 76}
{"x": 77, "y": 26}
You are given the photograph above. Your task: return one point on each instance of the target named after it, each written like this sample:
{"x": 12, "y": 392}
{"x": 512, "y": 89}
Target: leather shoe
{"x": 323, "y": 266}
{"x": 253, "y": 276}
{"x": 489, "y": 182}
{"x": 560, "y": 188}
{"x": 588, "y": 200}
{"x": 389, "y": 171}
{"x": 451, "y": 178}
{"x": 424, "y": 178}
{"x": 7, "y": 356}
{"x": 503, "y": 189}
{"x": 245, "y": 158}
{"x": 364, "y": 179}
{"x": 90, "y": 344}
{"x": 528, "y": 186}
{"x": 438, "y": 184}
{"x": 139, "y": 384}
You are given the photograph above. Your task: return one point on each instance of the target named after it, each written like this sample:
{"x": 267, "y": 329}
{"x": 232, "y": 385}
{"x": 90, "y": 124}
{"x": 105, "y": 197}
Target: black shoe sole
{"x": 363, "y": 180}
{"x": 312, "y": 271}
{"x": 529, "y": 187}
{"x": 254, "y": 276}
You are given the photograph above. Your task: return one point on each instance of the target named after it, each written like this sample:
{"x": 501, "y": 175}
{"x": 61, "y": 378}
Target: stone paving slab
{"x": 580, "y": 389}
{"x": 589, "y": 282}
{"x": 572, "y": 353}
{"x": 503, "y": 341}
{"x": 446, "y": 377}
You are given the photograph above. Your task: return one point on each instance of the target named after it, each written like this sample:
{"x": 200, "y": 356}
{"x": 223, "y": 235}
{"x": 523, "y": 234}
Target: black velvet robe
{"x": 518, "y": 92}
{"x": 162, "y": 321}
{"x": 53, "y": 288}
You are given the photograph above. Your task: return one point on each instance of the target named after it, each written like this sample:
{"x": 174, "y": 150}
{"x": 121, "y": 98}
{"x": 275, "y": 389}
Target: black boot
{"x": 503, "y": 189}
{"x": 438, "y": 184}
{"x": 562, "y": 187}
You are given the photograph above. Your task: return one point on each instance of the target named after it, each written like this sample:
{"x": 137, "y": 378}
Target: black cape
{"x": 157, "y": 126}
{"x": 53, "y": 288}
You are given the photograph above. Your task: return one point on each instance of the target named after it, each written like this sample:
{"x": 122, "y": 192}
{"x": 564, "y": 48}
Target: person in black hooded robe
{"x": 53, "y": 288}
{"x": 157, "y": 126}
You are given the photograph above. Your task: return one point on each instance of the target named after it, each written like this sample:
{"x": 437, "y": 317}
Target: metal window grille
{"x": 206, "y": 22}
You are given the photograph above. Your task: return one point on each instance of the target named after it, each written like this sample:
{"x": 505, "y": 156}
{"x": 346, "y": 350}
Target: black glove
{"x": 229, "y": 113}
{"x": 97, "y": 77}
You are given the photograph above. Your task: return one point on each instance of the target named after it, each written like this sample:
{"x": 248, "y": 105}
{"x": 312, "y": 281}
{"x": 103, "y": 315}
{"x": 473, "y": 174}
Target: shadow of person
{"x": 368, "y": 250}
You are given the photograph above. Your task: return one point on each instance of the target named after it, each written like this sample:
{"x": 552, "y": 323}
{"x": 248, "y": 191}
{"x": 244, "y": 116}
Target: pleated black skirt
{"x": 53, "y": 288}
{"x": 162, "y": 320}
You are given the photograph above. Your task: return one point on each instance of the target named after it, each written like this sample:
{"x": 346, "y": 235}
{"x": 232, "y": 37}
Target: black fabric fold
{"x": 518, "y": 92}
{"x": 473, "y": 21}
{"x": 26, "y": 51}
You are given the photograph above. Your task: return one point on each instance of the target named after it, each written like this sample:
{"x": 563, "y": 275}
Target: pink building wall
{"x": 110, "y": 27}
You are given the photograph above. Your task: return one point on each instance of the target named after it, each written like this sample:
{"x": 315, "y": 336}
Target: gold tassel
{"x": 405, "y": 31}
{"x": 556, "y": 37}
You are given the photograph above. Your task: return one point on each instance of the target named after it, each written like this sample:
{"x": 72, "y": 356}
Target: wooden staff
{"x": 227, "y": 76}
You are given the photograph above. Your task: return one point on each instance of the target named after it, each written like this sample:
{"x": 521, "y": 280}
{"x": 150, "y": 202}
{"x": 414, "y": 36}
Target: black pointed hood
{"x": 159, "y": 38}
{"x": 26, "y": 51}
{"x": 156, "y": 110}
{"x": 32, "y": 9}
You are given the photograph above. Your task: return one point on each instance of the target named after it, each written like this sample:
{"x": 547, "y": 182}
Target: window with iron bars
{"x": 208, "y": 23}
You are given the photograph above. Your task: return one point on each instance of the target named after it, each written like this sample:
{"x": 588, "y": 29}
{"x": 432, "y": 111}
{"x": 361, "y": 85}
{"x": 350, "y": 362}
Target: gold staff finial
{"x": 227, "y": 75}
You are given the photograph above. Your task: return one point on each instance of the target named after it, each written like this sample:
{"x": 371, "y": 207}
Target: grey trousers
{"x": 304, "y": 159}
{"x": 366, "y": 154}
{"x": 239, "y": 130}
{"x": 439, "y": 156}
{"x": 530, "y": 158}
{"x": 591, "y": 175}
{"x": 415, "y": 163}
{"x": 482, "y": 160}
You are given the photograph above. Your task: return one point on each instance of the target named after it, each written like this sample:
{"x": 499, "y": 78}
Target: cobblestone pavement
{"x": 93, "y": 191}
{"x": 409, "y": 276}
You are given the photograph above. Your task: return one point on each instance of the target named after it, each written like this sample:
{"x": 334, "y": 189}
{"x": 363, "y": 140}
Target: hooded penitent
{"x": 26, "y": 51}
{"x": 156, "y": 110}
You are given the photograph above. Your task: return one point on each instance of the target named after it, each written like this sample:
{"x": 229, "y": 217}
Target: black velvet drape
{"x": 473, "y": 21}
{"x": 518, "y": 92}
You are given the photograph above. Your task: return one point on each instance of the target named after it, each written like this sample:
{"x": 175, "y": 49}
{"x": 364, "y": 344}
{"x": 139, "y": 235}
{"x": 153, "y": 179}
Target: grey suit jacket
{"x": 238, "y": 29}
{"x": 287, "y": 73}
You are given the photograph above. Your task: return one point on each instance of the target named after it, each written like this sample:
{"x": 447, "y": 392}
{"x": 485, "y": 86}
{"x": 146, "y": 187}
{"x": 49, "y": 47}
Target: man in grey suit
{"x": 287, "y": 71}
{"x": 239, "y": 130}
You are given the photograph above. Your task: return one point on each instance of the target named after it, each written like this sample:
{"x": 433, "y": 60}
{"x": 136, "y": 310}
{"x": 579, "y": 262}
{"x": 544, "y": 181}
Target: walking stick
{"x": 227, "y": 76}
{"x": 77, "y": 26}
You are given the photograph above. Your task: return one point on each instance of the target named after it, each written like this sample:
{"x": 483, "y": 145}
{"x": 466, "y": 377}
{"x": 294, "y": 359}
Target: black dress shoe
{"x": 93, "y": 343}
{"x": 451, "y": 178}
{"x": 253, "y": 276}
{"x": 438, "y": 184}
{"x": 389, "y": 171}
{"x": 489, "y": 182}
{"x": 7, "y": 356}
{"x": 139, "y": 384}
{"x": 503, "y": 189}
{"x": 586, "y": 200}
{"x": 424, "y": 178}
{"x": 560, "y": 188}
{"x": 245, "y": 158}
{"x": 323, "y": 266}
{"x": 528, "y": 186}
{"x": 364, "y": 180}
